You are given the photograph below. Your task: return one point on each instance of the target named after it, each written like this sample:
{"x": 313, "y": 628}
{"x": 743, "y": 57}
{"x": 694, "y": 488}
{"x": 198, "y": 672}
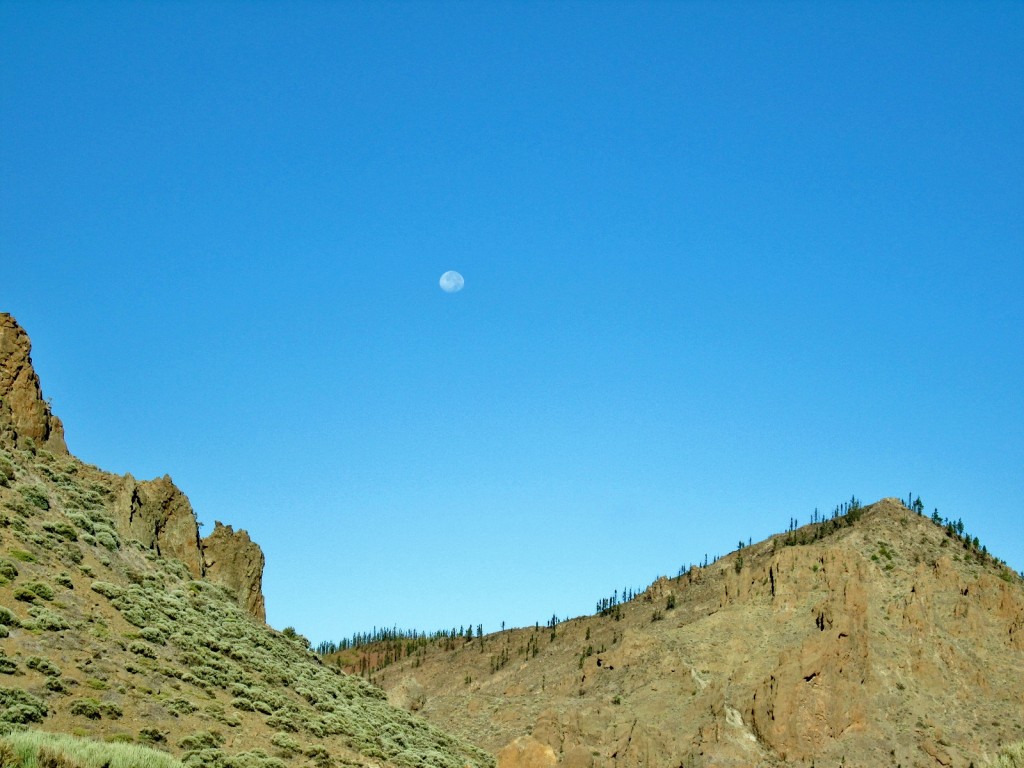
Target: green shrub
{"x": 82, "y": 522}
{"x": 63, "y": 530}
{"x": 319, "y": 756}
{"x": 180, "y": 706}
{"x": 22, "y": 555}
{"x": 142, "y": 649}
{"x": 7, "y": 618}
{"x": 44, "y": 666}
{"x": 108, "y": 590}
{"x": 46, "y": 619}
{"x": 152, "y": 735}
{"x": 287, "y": 744}
{"x": 8, "y": 570}
{"x": 283, "y": 721}
{"x": 216, "y": 711}
{"x": 64, "y": 580}
{"x": 154, "y": 635}
{"x": 87, "y": 707}
{"x": 8, "y": 666}
{"x": 6, "y": 472}
{"x": 108, "y": 539}
{"x": 42, "y": 590}
{"x": 17, "y": 706}
{"x": 202, "y": 740}
{"x": 25, "y": 594}
{"x": 35, "y": 495}
{"x": 56, "y": 685}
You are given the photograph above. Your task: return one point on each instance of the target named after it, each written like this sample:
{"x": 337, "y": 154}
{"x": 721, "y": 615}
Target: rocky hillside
{"x": 117, "y": 621}
{"x": 875, "y": 638}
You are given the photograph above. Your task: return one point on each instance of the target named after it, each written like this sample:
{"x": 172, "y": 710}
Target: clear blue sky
{"x": 725, "y": 263}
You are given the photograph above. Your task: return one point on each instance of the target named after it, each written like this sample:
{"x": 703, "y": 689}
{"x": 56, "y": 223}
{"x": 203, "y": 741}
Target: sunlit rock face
{"x": 155, "y": 513}
{"x": 234, "y": 561}
{"x": 25, "y": 417}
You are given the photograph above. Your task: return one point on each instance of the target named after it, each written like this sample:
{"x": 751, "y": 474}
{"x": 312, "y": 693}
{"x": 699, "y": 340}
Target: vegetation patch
{"x": 93, "y": 709}
{"x": 6, "y": 472}
{"x": 44, "y": 666}
{"x": 8, "y": 570}
{"x": 54, "y": 750}
{"x": 46, "y": 620}
{"x": 18, "y": 706}
{"x": 35, "y": 496}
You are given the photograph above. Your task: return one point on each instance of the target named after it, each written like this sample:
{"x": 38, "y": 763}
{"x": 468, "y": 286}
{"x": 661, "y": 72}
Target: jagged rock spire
{"x": 24, "y": 414}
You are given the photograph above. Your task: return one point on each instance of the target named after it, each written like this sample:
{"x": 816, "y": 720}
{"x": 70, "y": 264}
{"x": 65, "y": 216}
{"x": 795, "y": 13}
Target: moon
{"x": 451, "y": 281}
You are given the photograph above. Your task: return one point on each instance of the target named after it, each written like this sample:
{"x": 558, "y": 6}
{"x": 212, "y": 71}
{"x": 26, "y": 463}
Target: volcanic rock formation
{"x": 875, "y": 638}
{"x": 25, "y": 417}
{"x": 234, "y": 561}
{"x": 153, "y": 512}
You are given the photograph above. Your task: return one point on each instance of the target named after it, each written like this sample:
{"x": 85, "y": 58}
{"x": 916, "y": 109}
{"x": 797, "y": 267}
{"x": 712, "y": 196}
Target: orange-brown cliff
{"x": 25, "y": 417}
{"x": 879, "y": 638}
{"x": 153, "y": 512}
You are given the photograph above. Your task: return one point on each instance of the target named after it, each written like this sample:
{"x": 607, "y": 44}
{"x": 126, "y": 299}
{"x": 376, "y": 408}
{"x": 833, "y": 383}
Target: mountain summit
{"x": 876, "y": 637}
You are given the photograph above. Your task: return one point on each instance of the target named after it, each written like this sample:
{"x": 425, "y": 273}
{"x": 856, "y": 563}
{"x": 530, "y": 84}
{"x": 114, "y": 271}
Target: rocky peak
{"x": 233, "y": 560}
{"x": 159, "y": 515}
{"x": 24, "y": 414}
{"x": 153, "y": 512}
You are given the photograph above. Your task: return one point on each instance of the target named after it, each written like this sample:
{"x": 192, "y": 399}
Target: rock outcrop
{"x": 153, "y": 512}
{"x": 527, "y": 752}
{"x": 159, "y": 515}
{"x": 24, "y": 414}
{"x": 818, "y": 693}
{"x": 233, "y": 560}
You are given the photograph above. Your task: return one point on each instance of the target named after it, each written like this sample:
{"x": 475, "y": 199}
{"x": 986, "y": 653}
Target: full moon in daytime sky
{"x": 451, "y": 282}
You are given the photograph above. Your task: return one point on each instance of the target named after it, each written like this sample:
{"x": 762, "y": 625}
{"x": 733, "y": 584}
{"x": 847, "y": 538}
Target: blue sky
{"x": 725, "y": 263}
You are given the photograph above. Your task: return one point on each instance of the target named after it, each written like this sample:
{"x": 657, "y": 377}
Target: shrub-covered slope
{"x": 101, "y": 636}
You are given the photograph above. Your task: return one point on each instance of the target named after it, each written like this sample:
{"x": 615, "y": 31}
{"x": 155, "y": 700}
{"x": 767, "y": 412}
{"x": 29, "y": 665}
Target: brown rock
{"x": 526, "y": 752}
{"x": 24, "y": 414}
{"x": 408, "y": 695}
{"x": 819, "y": 693}
{"x": 578, "y": 757}
{"x": 153, "y": 512}
{"x": 158, "y": 514}
{"x": 234, "y": 561}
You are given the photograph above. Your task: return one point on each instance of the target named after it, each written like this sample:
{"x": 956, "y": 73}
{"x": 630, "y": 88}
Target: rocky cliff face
{"x": 159, "y": 515}
{"x": 153, "y": 512}
{"x": 24, "y": 414}
{"x": 880, "y": 640}
{"x": 234, "y": 561}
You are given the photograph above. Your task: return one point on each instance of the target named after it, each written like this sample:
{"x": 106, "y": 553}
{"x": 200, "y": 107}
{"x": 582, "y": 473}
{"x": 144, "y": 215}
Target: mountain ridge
{"x": 877, "y": 637}
{"x": 118, "y": 622}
